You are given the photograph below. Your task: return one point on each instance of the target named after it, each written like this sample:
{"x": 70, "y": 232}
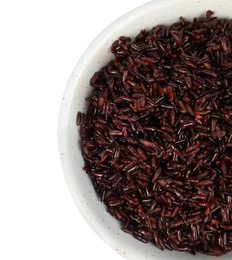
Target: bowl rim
{"x": 71, "y": 87}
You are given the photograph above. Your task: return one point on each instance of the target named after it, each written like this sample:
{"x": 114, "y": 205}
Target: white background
{"x": 40, "y": 43}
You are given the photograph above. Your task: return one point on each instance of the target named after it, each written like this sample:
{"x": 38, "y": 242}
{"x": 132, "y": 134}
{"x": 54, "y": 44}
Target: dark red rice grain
{"x": 157, "y": 135}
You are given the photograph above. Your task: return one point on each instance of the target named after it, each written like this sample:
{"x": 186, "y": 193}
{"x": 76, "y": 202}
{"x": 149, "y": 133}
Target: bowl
{"x": 78, "y": 88}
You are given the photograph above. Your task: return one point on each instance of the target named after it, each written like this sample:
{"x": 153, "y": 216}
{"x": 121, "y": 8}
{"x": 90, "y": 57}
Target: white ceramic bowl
{"x": 96, "y": 56}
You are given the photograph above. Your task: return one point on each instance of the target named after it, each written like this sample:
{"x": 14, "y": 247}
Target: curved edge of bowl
{"x": 65, "y": 107}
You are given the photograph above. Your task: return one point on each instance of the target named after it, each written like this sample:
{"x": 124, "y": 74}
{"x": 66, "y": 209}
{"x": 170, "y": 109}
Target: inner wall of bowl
{"x": 96, "y": 56}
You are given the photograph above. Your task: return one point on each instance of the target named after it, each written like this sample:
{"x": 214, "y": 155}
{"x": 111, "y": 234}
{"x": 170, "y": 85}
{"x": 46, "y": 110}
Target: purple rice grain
{"x": 157, "y": 135}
